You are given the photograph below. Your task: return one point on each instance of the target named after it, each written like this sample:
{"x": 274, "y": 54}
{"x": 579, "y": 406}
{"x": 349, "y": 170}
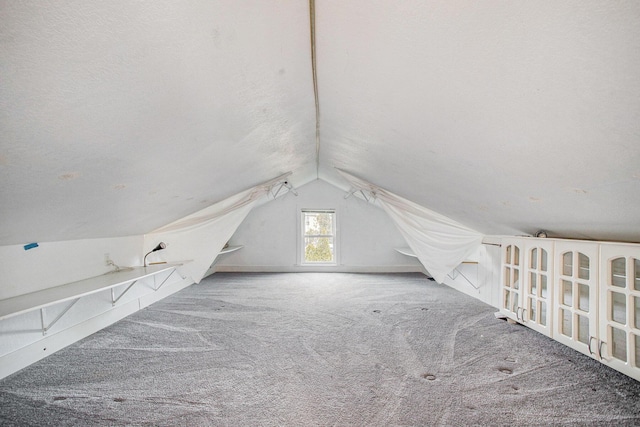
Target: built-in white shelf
{"x": 453, "y": 275}
{"x": 229, "y": 249}
{"x": 407, "y": 252}
{"x": 72, "y": 291}
{"x": 226, "y": 250}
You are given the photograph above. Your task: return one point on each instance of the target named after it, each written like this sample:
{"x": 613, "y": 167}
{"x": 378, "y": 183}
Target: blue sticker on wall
{"x": 30, "y": 246}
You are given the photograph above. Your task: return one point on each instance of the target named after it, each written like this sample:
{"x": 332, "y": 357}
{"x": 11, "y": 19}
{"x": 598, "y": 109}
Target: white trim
{"x": 497, "y": 239}
{"x": 301, "y": 237}
{"x": 319, "y": 269}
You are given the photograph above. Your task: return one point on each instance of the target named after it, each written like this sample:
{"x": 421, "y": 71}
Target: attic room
{"x": 319, "y": 212}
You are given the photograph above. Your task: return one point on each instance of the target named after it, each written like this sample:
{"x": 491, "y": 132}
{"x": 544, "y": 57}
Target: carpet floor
{"x": 318, "y": 350}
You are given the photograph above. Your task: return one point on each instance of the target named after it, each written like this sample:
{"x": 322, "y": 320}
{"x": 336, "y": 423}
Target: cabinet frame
{"x": 576, "y": 320}
{"x": 522, "y": 277}
{"x": 538, "y": 266}
{"x": 622, "y": 351}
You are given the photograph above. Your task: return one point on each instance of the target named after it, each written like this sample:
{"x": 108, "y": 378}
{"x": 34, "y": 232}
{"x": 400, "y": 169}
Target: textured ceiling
{"x": 119, "y": 117}
{"x": 508, "y": 116}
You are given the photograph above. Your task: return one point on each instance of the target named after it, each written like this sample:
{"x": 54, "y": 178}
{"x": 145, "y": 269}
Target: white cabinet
{"x": 511, "y": 305}
{"x": 576, "y": 295}
{"x": 619, "y": 334}
{"x": 526, "y": 282}
{"x": 585, "y": 295}
{"x": 538, "y": 294}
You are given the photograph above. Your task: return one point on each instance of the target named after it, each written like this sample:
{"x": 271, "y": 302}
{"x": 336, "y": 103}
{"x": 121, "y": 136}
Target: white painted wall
{"x": 270, "y": 233}
{"x": 53, "y": 264}
{"x": 367, "y": 236}
{"x": 56, "y": 263}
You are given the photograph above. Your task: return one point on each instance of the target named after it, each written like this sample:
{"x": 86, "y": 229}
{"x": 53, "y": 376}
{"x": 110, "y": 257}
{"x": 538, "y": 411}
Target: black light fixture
{"x": 160, "y": 247}
{"x": 541, "y": 234}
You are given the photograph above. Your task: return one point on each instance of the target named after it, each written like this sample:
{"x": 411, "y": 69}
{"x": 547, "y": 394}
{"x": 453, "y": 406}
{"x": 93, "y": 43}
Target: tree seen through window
{"x": 319, "y": 236}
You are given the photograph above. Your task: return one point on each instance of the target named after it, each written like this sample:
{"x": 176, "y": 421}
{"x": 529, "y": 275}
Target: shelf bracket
{"x": 283, "y": 184}
{"x": 114, "y": 300}
{"x": 165, "y": 279}
{"x": 45, "y": 328}
{"x": 369, "y": 196}
{"x": 455, "y": 273}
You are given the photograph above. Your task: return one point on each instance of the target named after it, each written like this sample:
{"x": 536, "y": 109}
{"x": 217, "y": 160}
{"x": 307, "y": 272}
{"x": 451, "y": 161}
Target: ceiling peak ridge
{"x": 312, "y": 31}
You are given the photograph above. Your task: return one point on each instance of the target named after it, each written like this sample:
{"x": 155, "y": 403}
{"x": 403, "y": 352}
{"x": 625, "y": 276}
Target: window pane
{"x": 619, "y": 272}
{"x": 637, "y": 340}
{"x": 543, "y": 260}
{"x": 636, "y": 303}
{"x": 618, "y": 307}
{"x": 543, "y": 286}
{"x": 543, "y": 313}
{"x": 507, "y": 277}
{"x": 583, "y": 295}
{"x": 566, "y": 322}
{"x": 583, "y": 263}
{"x": 318, "y": 249}
{"x": 516, "y": 255}
{"x": 567, "y": 264}
{"x": 619, "y": 344}
{"x": 318, "y": 237}
{"x": 583, "y": 329}
{"x": 637, "y": 275}
{"x": 534, "y": 258}
{"x": 318, "y": 223}
{"x": 533, "y": 285}
{"x": 516, "y": 278}
{"x": 507, "y": 300}
{"x": 567, "y": 293}
{"x": 508, "y": 259}
{"x": 532, "y": 309}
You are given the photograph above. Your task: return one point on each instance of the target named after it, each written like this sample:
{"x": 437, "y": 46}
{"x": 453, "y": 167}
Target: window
{"x": 319, "y": 237}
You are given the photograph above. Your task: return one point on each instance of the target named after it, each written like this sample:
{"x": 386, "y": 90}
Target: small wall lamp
{"x": 160, "y": 247}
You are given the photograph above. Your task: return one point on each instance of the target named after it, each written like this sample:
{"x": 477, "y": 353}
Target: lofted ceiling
{"x": 119, "y": 117}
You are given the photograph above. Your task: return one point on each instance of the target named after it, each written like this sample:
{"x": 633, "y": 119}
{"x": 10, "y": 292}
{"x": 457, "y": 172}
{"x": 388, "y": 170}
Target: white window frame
{"x": 302, "y": 236}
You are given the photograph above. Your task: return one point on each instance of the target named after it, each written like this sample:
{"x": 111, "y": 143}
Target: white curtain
{"x": 197, "y": 239}
{"x": 440, "y": 243}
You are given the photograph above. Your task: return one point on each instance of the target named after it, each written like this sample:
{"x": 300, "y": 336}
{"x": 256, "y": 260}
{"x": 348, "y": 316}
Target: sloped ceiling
{"x": 508, "y": 116}
{"x": 119, "y": 117}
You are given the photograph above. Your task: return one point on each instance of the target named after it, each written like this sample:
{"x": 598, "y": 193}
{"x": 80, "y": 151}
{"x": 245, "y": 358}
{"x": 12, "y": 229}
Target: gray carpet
{"x": 318, "y": 349}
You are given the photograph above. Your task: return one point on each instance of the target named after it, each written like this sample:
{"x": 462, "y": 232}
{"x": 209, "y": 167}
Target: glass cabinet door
{"x": 538, "y": 283}
{"x": 576, "y": 295}
{"x": 619, "y": 344}
{"x": 511, "y": 305}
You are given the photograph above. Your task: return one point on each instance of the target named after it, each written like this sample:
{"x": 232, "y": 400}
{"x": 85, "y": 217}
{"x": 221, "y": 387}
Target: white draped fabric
{"x": 198, "y": 238}
{"x": 440, "y": 243}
